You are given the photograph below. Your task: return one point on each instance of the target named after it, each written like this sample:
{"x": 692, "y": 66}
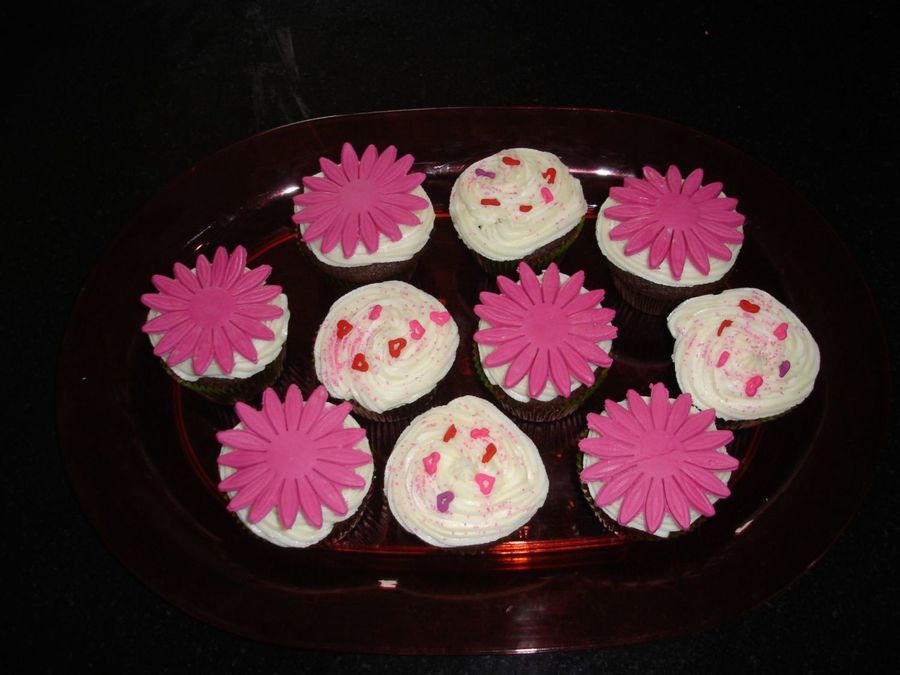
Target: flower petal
{"x": 706, "y": 480}
{"x": 540, "y": 371}
{"x": 219, "y": 265}
{"x": 679, "y": 412}
{"x": 367, "y": 161}
{"x": 349, "y": 161}
{"x": 642, "y": 239}
{"x": 659, "y": 405}
{"x": 339, "y": 475}
{"x": 520, "y": 366}
{"x": 677, "y": 253}
{"x": 242, "y": 440}
{"x": 506, "y": 352}
{"x": 331, "y": 419}
{"x": 559, "y": 374}
{"x": 383, "y": 163}
{"x": 240, "y": 342}
{"x": 293, "y": 407}
{"x": 315, "y": 404}
{"x": 256, "y": 476}
{"x": 241, "y": 459}
{"x": 252, "y": 327}
{"x": 265, "y": 501}
{"x": 676, "y": 501}
{"x": 250, "y": 279}
{"x": 692, "y": 182}
{"x": 333, "y": 172}
{"x": 368, "y": 232}
{"x": 254, "y": 421}
{"x": 660, "y": 247}
{"x": 616, "y": 487}
{"x": 328, "y": 494}
{"x": 696, "y": 253}
{"x": 222, "y": 351}
{"x": 673, "y": 179}
{"x": 577, "y": 366}
{"x": 712, "y": 460}
{"x": 694, "y": 494}
{"x": 695, "y": 424}
{"x": 164, "y": 303}
{"x": 530, "y": 283}
{"x": 204, "y": 271}
{"x": 655, "y": 507}
{"x": 570, "y": 289}
{"x": 186, "y": 278}
{"x": 708, "y": 440}
{"x": 310, "y": 506}
{"x": 515, "y": 293}
{"x": 288, "y": 503}
{"x": 273, "y": 411}
{"x": 639, "y": 409}
{"x": 165, "y": 322}
{"x": 168, "y": 286}
{"x": 635, "y": 500}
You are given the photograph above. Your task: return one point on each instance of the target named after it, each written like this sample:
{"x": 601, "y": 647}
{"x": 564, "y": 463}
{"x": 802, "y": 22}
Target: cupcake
{"x": 219, "y": 328}
{"x": 520, "y": 204}
{"x": 541, "y": 341}
{"x": 655, "y": 464}
{"x": 366, "y": 219}
{"x": 743, "y": 353}
{"x": 463, "y": 474}
{"x": 385, "y": 347}
{"x": 295, "y": 472}
{"x": 668, "y": 239}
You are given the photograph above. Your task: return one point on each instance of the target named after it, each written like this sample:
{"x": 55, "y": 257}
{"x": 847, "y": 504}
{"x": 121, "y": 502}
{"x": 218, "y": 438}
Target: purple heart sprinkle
{"x": 482, "y": 172}
{"x": 784, "y": 368}
{"x": 443, "y": 501}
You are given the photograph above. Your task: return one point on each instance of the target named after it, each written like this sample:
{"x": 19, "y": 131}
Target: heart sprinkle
{"x": 550, "y": 175}
{"x": 375, "y": 313}
{"x": 723, "y": 326}
{"x": 396, "y": 346}
{"x": 752, "y": 385}
{"x": 450, "y": 433}
{"x": 440, "y": 318}
{"x": 489, "y": 452}
{"x": 748, "y": 306}
{"x": 547, "y": 195}
{"x": 483, "y": 432}
{"x": 431, "y": 463}
{"x": 723, "y": 358}
{"x": 781, "y": 331}
{"x": 443, "y": 501}
{"x": 784, "y": 368}
{"x": 511, "y": 161}
{"x": 343, "y": 327}
{"x": 416, "y": 330}
{"x": 490, "y": 202}
{"x": 360, "y": 363}
{"x": 525, "y": 208}
{"x": 485, "y": 483}
{"x": 486, "y": 174}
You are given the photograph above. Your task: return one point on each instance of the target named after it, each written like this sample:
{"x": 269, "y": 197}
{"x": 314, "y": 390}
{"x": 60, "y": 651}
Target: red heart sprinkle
{"x": 396, "y": 346}
{"x": 723, "y": 326}
{"x": 525, "y": 208}
{"x": 748, "y": 306}
{"x": 343, "y": 327}
{"x": 489, "y": 452}
{"x": 550, "y": 175}
{"x": 490, "y": 202}
{"x": 450, "y": 433}
{"x": 510, "y": 161}
{"x": 360, "y": 363}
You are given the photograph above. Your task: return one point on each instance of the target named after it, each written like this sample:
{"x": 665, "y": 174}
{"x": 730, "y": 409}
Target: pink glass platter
{"x": 146, "y": 475}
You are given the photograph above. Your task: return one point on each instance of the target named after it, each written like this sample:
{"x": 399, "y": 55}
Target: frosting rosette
{"x": 294, "y": 469}
{"x": 463, "y": 474}
{"x": 743, "y": 353}
{"x": 654, "y": 463}
{"x": 365, "y": 210}
{"x": 218, "y": 320}
{"x": 670, "y": 230}
{"x": 543, "y": 336}
{"x": 385, "y": 345}
{"x": 510, "y": 204}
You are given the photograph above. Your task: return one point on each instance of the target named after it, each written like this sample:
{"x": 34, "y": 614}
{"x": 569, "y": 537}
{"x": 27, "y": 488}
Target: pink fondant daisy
{"x": 676, "y": 218}
{"x": 658, "y": 458}
{"x": 213, "y": 311}
{"x": 295, "y": 456}
{"x": 545, "y": 329}
{"x": 360, "y": 198}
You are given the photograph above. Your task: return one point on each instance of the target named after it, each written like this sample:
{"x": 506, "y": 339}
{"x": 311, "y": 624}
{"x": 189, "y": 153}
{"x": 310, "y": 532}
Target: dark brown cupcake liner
{"x": 403, "y": 412}
{"x": 657, "y": 299}
{"x": 538, "y": 259}
{"x": 227, "y": 391}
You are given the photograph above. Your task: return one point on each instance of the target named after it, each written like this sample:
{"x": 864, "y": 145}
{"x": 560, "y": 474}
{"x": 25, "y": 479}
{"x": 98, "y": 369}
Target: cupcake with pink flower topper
{"x": 219, "y": 328}
{"x": 543, "y": 343}
{"x": 655, "y": 464}
{"x": 366, "y": 219}
{"x": 668, "y": 238}
{"x": 296, "y": 472}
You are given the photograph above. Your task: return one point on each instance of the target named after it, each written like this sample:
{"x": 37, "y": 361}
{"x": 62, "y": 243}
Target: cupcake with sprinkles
{"x": 653, "y": 464}
{"x": 543, "y": 343}
{"x": 519, "y": 204}
{"x": 296, "y": 472}
{"x": 668, "y": 238}
{"x": 366, "y": 219}
{"x": 463, "y": 475}
{"x": 385, "y": 347}
{"x": 743, "y": 353}
{"x": 219, "y": 329}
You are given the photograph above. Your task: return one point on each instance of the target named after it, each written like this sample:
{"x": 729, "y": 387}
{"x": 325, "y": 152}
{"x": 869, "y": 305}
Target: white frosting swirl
{"x": 497, "y": 374}
{"x": 639, "y": 263}
{"x": 754, "y": 350}
{"x": 266, "y": 350}
{"x": 472, "y": 516}
{"x": 503, "y": 231}
{"x": 413, "y": 240}
{"x": 302, "y": 534}
{"x": 387, "y": 381}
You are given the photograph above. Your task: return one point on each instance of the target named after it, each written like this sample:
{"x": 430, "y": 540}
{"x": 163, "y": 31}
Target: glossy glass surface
{"x": 141, "y": 452}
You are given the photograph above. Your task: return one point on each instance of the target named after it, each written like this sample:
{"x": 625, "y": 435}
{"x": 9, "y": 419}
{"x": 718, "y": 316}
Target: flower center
{"x": 358, "y": 195}
{"x": 678, "y": 212}
{"x": 289, "y": 455}
{"x": 546, "y": 325}
{"x": 657, "y": 443}
{"x": 211, "y": 307}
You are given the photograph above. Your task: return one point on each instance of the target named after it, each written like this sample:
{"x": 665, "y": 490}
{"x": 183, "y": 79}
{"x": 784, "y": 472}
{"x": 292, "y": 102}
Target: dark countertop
{"x": 110, "y": 103}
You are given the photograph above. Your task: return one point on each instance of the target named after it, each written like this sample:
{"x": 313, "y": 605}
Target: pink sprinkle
{"x": 443, "y": 501}
{"x": 483, "y": 432}
{"x": 416, "y": 330}
{"x": 486, "y": 174}
{"x": 440, "y": 318}
{"x": 723, "y": 357}
{"x": 375, "y": 313}
{"x": 752, "y": 385}
{"x": 485, "y": 483}
{"x": 781, "y": 331}
{"x": 784, "y": 368}
{"x": 431, "y": 462}
{"x": 547, "y": 195}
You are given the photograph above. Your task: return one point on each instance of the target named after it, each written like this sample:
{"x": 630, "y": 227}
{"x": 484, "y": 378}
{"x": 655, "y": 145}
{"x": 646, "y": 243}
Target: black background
{"x": 108, "y": 102}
